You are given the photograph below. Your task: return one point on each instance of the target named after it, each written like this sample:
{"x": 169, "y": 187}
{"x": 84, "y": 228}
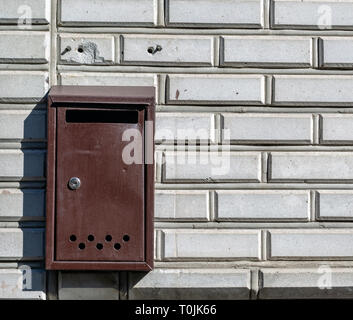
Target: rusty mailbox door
{"x": 97, "y": 196}
{"x": 100, "y": 199}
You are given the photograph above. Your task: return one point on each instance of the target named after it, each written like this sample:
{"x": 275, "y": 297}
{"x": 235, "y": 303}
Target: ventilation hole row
{"x": 99, "y": 246}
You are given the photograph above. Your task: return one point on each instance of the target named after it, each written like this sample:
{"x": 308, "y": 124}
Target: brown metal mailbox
{"x": 100, "y": 204}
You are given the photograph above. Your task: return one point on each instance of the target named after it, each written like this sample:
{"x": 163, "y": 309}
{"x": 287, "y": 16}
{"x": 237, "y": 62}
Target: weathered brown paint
{"x": 114, "y": 199}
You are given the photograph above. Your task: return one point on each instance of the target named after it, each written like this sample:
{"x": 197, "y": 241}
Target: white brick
{"x": 211, "y": 244}
{"x": 262, "y": 205}
{"x": 211, "y": 167}
{"x": 96, "y": 49}
{"x": 306, "y": 283}
{"x": 26, "y": 204}
{"x": 26, "y": 164}
{"x": 336, "y": 205}
{"x": 23, "y": 86}
{"x": 180, "y": 127}
{"x": 25, "y": 125}
{"x": 106, "y": 79}
{"x": 276, "y": 51}
{"x": 88, "y": 286}
{"x": 337, "y": 52}
{"x": 176, "y": 50}
{"x": 24, "y": 47}
{"x": 311, "y": 244}
{"x": 313, "y": 90}
{"x": 197, "y": 284}
{"x": 12, "y": 284}
{"x": 211, "y": 89}
{"x": 15, "y": 11}
{"x": 312, "y": 166}
{"x": 236, "y": 13}
{"x": 21, "y": 244}
{"x": 107, "y": 12}
{"x": 171, "y": 204}
{"x": 337, "y": 128}
{"x": 298, "y": 14}
{"x": 268, "y": 128}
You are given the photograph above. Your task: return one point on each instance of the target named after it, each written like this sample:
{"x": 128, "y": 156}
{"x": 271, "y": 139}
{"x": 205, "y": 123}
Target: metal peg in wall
{"x": 153, "y": 50}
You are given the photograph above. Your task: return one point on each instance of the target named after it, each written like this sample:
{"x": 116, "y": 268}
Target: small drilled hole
{"x": 108, "y": 238}
{"x": 73, "y": 238}
{"x": 99, "y": 246}
{"x": 81, "y": 246}
{"x": 126, "y": 238}
{"x": 80, "y": 49}
{"x": 150, "y": 50}
{"x": 90, "y": 237}
{"x": 117, "y": 246}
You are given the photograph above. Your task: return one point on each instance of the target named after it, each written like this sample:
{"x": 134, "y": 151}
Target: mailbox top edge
{"x": 102, "y": 94}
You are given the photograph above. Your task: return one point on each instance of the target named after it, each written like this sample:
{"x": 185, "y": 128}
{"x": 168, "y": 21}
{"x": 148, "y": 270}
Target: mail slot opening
{"x": 101, "y": 116}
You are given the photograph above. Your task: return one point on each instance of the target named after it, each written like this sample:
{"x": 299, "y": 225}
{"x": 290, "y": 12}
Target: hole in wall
{"x": 90, "y": 237}
{"x": 126, "y": 238}
{"x": 80, "y": 49}
{"x": 73, "y": 238}
{"x": 99, "y": 246}
{"x": 117, "y": 246}
{"x": 108, "y": 238}
{"x": 81, "y": 246}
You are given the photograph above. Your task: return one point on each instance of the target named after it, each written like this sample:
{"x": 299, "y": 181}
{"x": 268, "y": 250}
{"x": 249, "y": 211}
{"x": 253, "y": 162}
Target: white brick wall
{"x": 181, "y": 127}
{"x": 211, "y": 166}
{"x": 191, "y": 284}
{"x": 23, "y": 86}
{"x": 12, "y": 284}
{"x": 313, "y": 166}
{"x": 107, "y": 12}
{"x": 202, "y": 89}
{"x": 26, "y": 164}
{"x": 30, "y": 47}
{"x": 211, "y": 244}
{"x": 335, "y": 205}
{"x": 297, "y": 14}
{"x": 23, "y": 125}
{"x": 337, "y": 129}
{"x": 282, "y": 188}
{"x": 305, "y": 283}
{"x": 243, "y": 13}
{"x": 26, "y": 204}
{"x": 175, "y": 50}
{"x": 313, "y": 90}
{"x": 259, "y": 128}
{"x": 170, "y": 205}
{"x": 266, "y": 51}
{"x": 11, "y": 11}
{"x": 106, "y": 79}
{"x": 19, "y": 244}
{"x": 262, "y": 205}
{"x": 337, "y": 52}
{"x": 311, "y": 244}
{"x": 96, "y": 49}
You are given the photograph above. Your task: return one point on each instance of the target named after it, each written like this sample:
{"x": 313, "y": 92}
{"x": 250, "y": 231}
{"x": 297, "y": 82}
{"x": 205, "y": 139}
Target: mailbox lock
{"x": 74, "y": 183}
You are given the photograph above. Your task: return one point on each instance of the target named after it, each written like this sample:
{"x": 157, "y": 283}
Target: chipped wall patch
{"x": 86, "y": 51}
